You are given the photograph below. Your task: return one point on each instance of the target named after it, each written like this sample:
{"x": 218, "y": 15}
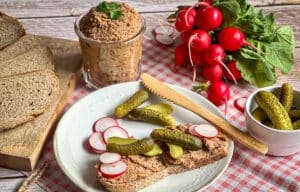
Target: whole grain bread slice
{"x": 144, "y": 171}
{"x": 10, "y": 30}
{"x": 24, "y": 44}
{"x": 24, "y": 96}
{"x": 38, "y": 58}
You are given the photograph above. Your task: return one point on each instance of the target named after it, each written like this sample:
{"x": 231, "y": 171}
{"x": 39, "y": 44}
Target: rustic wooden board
{"x": 43, "y": 8}
{"x": 62, "y": 27}
{"x": 20, "y": 147}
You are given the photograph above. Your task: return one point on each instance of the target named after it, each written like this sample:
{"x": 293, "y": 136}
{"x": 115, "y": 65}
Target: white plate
{"x": 76, "y": 125}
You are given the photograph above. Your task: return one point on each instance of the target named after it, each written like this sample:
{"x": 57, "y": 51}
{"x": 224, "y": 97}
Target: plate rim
{"x": 82, "y": 187}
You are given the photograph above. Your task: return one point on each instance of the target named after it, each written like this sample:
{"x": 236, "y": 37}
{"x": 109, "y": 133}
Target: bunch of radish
{"x": 204, "y": 47}
{"x": 111, "y": 164}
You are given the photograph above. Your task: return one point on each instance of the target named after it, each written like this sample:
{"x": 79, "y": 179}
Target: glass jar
{"x": 106, "y": 63}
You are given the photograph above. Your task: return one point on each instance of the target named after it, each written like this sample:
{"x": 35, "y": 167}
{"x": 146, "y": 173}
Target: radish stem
{"x": 190, "y": 57}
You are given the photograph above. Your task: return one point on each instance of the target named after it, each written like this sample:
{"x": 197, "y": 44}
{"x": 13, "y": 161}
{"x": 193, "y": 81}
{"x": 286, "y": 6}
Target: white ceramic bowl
{"x": 280, "y": 143}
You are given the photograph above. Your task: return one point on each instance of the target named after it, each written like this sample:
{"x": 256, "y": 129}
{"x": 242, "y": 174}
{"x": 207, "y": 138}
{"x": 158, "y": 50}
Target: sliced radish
{"x": 239, "y": 104}
{"x": 164, "y": 29}
{"x": 164, "y": 39}
{"x": 88, "y": 147}
{"x": 114, "y": 131}
{"x": 112, "y": 170}
{"x": 96, "y": 142}
{"x": 109, "y": 157}
{"x": 192, "y": 130}
{"x": 104, "y": 122}
{"x": 206, "y": 130}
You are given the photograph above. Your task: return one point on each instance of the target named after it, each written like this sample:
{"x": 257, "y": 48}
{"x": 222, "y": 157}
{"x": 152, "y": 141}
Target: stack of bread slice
{"x": 28, "y": 84}
{"x": 37, "y": 77}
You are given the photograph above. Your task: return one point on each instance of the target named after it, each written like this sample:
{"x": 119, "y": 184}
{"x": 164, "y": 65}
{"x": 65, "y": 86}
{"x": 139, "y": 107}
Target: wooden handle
{"x": 229, "y": 130}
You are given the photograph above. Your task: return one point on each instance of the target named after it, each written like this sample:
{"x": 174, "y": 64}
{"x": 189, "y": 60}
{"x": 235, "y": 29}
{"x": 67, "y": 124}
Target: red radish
{"x": 185, "y": 36}
{"x": 104, "y": 122}
{"x": 164, "y": 39}
{"x": 235, "y": 73}
{"x": 212, "y": 72}
{"x": 218, "y": 92}
{"x": 113, "y": 170}
{"x": 206, "y": 130}
{"x": 239, "y": 104}
{"x": 232, "y": 39}
{"x": 214, "y": 55}
{"x": 181, "y": 56}
{"x": 199, "y": 40}
{"x": 185, "y": 19}
{"x": 96, "y": 142}
{"x": 114, "y": 131}
{"x": 198, "y": 58}
{"x": 209, "y": 18}
{"x": 109, "y": 157}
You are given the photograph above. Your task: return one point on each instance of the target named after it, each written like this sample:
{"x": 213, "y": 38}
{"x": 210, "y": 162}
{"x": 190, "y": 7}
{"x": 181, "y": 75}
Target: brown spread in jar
{"x": 111, "y": 48}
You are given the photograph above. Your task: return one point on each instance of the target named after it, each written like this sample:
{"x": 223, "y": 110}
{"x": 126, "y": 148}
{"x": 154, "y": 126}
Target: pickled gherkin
{"x": 121, "y": 141}
{"x": 296, "y": 124}
{"x": 152, "y": 116}
{"x": 286, "y": 99}
{"x": 176, "y": 151}
{"x": 294, "y": 114}
{"x": 133, "y": 102}
{"x": 136, "y": 148}
{"x": 156, "y": 150}
{"x": 160, "y": 107}
{"x": 177, "y": 138}
{"x": 286, "y": 96}
{"x": 259, "y": 114}
{"x": 274, "y": 109}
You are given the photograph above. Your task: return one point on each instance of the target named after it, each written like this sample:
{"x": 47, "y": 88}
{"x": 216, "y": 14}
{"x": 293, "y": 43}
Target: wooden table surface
{"x": 56, "y": 18}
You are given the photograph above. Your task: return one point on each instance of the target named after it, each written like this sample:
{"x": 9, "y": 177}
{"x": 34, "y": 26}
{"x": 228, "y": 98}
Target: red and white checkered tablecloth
{"x": 248, "y": 171}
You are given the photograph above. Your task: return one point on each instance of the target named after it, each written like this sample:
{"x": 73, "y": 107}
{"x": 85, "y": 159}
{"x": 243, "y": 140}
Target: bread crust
{"x": 8, "y": 39}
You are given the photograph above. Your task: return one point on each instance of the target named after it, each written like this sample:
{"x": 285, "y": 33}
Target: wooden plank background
{"x": 56, "y": 18}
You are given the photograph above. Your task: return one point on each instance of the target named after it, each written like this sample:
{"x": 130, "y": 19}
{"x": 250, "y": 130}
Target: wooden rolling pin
{"x": 160, "y": 89}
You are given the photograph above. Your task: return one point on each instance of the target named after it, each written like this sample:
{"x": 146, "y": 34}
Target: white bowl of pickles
{"x": 273, "y": 116}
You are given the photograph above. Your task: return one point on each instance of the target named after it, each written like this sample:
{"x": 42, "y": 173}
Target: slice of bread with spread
{"x": 10, "y": 30}
{"x": 25, "y": 96}
{"x": 214, "y": 149}
{"x": 40, "y": 57}
{"x": 143, "y": 171}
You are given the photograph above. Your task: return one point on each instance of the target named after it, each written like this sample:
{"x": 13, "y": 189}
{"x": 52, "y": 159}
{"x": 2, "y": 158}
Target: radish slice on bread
{"x": 112, "y": 170}
{"x": 205, "y": 131}
{"x": 96, "y": 142}
{"x": 114, "y": 131}
{"x": 109, "y": 157}
{"x": 192, "y": 130}
{"x": 104, "y": 122}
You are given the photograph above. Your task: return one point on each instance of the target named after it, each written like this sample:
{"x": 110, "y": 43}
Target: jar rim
{"x": 84, "y": 37}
